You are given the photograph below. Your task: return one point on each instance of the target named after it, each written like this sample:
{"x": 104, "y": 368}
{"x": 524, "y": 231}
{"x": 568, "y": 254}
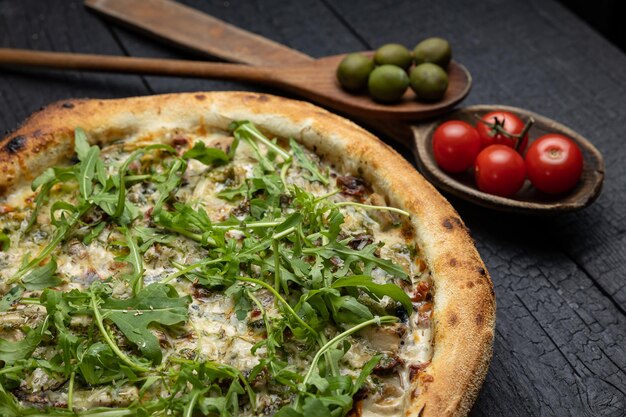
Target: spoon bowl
{"x": 317, "y": 81}
{"x": 528, "y": 200}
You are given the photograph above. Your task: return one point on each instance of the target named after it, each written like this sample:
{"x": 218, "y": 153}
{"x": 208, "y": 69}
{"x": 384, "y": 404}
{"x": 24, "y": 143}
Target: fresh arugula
{"x": 291, "y": 245}
{"x": 11, "y": 352}
{"x": 209, "y": 156}
{"x": 42, "y": 277}
{"x": 5, "y": 242}
{"x": 156, "y": 303}
{"x": 306, "y": 163}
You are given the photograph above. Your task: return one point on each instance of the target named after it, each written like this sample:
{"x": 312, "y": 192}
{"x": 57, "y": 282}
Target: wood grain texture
{"x": 187, "y": 28}
{"x": 44, "y": 25}
{"x": 560, "y": 283}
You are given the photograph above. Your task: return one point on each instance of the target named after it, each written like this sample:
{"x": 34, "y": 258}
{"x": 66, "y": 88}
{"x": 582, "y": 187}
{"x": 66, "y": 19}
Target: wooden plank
{"x": 60, "y": 26}
{"x": 187, "y": 28}
{"x": 293, "y": 24}
{"x": 559, "y": 338}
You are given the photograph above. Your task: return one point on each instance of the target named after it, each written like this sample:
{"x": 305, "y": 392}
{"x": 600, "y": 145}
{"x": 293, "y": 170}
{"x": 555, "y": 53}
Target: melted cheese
{"x": 213, "y": 330}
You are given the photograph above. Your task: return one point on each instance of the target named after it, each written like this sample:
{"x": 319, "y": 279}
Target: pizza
{"x": 230, "y": 254}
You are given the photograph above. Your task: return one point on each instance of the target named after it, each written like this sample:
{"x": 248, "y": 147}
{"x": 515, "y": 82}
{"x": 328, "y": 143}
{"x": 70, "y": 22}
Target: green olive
{"x": 393, "y": 54}
{"x": 435, "y": 50}
{"x": 354, "y": 70}
{"x": 429, "y": 81}
{"x": 388, "y": 83}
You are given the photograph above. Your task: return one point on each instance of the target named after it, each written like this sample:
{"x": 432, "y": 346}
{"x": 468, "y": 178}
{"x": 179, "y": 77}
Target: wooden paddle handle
{"x": 198, "y": 32}
{"x": 131, "y": 65}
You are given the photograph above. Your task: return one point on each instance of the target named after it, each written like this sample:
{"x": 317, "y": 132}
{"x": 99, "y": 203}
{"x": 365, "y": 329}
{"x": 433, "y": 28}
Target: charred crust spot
{"x": 480, "y": 319}
{"x": 15, "y": 145}
{"x": 450, "y": 222}
{"x": 67, "y": 105}
{"x": 481, "y": 271}
{"x": 453, "y": 262}
{"x": 453, "y": 319}
{"x": 200, "y": 97}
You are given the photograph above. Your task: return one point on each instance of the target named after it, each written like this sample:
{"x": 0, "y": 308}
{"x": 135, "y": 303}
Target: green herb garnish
{"x": 280, "y": 242}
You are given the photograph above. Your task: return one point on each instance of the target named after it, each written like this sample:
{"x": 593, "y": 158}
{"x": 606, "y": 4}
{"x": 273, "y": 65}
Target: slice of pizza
{"x": 230, "y": 254}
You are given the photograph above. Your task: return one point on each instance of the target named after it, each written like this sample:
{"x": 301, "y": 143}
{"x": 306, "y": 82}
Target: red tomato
{"x": 455, "y": 144}
{"x": 499, "y": 170}
{"x": 554, "y": 163}
{"x": 509, "y": 122}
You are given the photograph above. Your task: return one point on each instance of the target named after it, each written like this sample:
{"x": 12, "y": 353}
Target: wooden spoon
{"x": 528, "y": 200}
{"x": 314, "y": 80}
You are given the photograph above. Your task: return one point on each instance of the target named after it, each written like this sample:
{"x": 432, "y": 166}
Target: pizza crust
{"x": 464, "y": 303}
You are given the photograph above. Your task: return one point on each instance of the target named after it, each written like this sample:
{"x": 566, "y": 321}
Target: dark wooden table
{"x": 560, "y": 346}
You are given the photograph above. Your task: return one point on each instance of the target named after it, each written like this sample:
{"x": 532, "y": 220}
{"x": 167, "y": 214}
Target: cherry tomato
{"x": 455, "y": 144}
{"x": 499, "y": 170}
{"x": 554, "y": 163}
{"x": 509, "y": 122}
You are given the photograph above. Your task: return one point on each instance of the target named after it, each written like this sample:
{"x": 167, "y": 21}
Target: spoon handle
{"x": 131, "y": 65}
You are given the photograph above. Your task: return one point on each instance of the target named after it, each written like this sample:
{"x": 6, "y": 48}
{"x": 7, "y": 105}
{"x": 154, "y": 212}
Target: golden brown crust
{"x": 464, "y": 304}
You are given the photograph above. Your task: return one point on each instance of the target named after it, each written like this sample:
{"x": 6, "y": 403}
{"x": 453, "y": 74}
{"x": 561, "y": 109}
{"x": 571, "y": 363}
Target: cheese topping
{"x": 215, "y": 273}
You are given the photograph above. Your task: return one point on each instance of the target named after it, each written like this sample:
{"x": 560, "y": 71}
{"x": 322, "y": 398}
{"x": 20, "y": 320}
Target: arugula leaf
{"x": 313, "y": 407}
{"x": 208, "y": 156}
{"x": 135, "y": 258}
{"x": 366, "y": 255}
{"x": 88, "y": 171}
{"x": 11, "y": 352}
{"x": 247, "y": 131}
{"x": 45, "y": 182}
{"x": 93, "y": 233}
{"x": 306, "y": 163}
{"x": 11, "y": 297}
{"x": 5, "y": 242}
{"x": 81, "y": 143}
{"x": 156, "y": 303}
{"x": 380, "y": 290}
{"x": 148, "y": 236}
{"x": 365, "y": 372}
{"x": 42, "y": 277}
{"x": 8, "y": 405}
{"x": 169, "y": 184}
{"x": 289, "y": 224}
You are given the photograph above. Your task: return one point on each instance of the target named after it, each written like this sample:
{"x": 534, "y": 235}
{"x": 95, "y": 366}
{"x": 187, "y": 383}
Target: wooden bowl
{"x": 528, "y": 200}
